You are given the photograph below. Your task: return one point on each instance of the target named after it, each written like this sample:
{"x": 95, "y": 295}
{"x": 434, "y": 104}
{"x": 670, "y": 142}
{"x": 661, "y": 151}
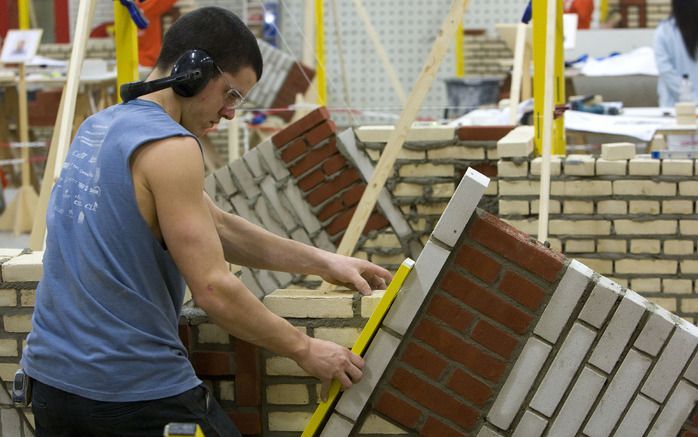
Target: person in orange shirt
{"x": 583, "y": 9}
{"x": 150, "y": 38}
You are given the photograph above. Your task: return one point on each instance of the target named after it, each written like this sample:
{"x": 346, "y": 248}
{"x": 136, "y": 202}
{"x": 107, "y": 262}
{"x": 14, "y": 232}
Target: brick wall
{"x": 632, "y": 220}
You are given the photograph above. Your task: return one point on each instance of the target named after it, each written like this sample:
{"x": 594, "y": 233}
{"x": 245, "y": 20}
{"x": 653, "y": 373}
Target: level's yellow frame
{"x": 361, "y": 344}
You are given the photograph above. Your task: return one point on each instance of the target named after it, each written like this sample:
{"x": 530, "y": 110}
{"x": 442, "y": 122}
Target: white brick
{"x": 618, "y": 331}
{"x": 619, "y": 392}
{"x": 369, "y": 303}
{"x": 611, "y": 168}
{"x": 8, "y": 348}
{"x": 676, "y": 286}
{"x": 579, "y": 227}
{"x": 600, "y": 302}
{"x": 375, "y": 424}
{"x": 689, "y": 266}
{"x": 518, "y": 142}
{"x": 554, "y": 207}
{"x": 555, "y": 165}
{"x": 337, "y": 426}
{"x": 678, "y": 247}
{"x": 17, "y": 323}
{"x": 692, "y": 371}
{"x": 416, "y": 287}
{"x": 518, "y": 383}
{"x": 672, "y": 361}
{"x": 644, "y": 188}
{"x": 287, "y": 394}
{"x": 343, "y": 336}
{"x": 603, "y": 266}
{"x": 456, "y": 152}
{"x": 675, "y": 412}
{"x": 580, "y": 246}
{"x": 685, "y": 108}
{"x": 645, "y": 246}
{"x": 677, "y": 167}
{"x": 652, "y": 227}
{"x": 644, "y": 167}
{"x": 578, "y": 207}
{"x": 617, "y": 151}
{"x": 581, "y": 188}
{"x": 24, "y": 268}
{"x": 677, "y": 207}
{"x": 381, "y": 134}
{"x": 688, "y": 188}
{"x": 656, "y": 331}
{"x": 513, "y": 207}
{"x": 563, "y": 301}
{"x": 612, "y": 246}
{"x": 644, "y": 207}
{"x": 379, "y": 354}
{"x": 563, "y": 368}
{"x": 519, "y": 188}
{"x": 288, "y": 421}
{"x": 461, "y": 207}
{"x": 578, "y": 403}
{"x": 668, "y": 303}
{"x": 508, "y": 169}
{"x": 612, "y": 207}
{"x": 427, "y": 170}
{"x": 646, "y": 266}
{"x": 486, "y": 431}
{"x": 282, "y": 366}
{"x": 688, "y": 227}
{"x": 210, "y": 333}
{"x": 408, "y": 190}
{"x": 638, "y": 418}
{"x": 580, "y": 165}
{"x": 310, "y": 303}
{"x": 531, "y": 425}
{"x": 8, "y": 297}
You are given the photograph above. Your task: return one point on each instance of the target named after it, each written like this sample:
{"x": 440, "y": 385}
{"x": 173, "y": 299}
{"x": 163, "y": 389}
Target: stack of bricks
{"x": 485, "y": 55}
{"x": 283, "y": 78}
{"x": 630, "y": 219}
{"x": 430, "y": 165}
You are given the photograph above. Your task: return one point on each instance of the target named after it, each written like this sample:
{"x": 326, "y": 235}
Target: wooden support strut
{"x": 384, "y": 168}
{"x": 62, "y": 132}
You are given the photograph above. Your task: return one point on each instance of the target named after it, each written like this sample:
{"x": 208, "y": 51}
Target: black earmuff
{"x": 189, "y": 76}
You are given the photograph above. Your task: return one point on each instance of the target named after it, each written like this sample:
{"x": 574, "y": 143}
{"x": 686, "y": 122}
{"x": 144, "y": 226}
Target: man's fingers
{"x": 354, "y": 373}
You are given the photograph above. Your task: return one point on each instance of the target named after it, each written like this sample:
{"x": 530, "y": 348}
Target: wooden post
{"x": 233, "y": 140}
{"x": 384, "y": 168}
{"x": 62, "y": 131}
{"x": 548, "y": 73}
{"x": 517, "y": 73}
{"x": 380, "y": 51}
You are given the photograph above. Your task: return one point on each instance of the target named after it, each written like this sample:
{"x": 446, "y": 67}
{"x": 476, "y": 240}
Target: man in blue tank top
{"x": 129, "y": 222}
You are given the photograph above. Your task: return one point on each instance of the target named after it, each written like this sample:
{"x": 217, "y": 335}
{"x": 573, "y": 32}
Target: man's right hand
{"x": 327, "y": 361}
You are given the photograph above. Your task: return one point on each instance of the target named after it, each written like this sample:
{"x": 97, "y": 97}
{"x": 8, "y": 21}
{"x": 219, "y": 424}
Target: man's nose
{"x": 227, "y": 113}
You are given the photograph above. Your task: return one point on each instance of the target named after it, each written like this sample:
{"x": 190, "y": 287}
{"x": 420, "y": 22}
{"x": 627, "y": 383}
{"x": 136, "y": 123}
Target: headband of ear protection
{"x": 190, "y": 74}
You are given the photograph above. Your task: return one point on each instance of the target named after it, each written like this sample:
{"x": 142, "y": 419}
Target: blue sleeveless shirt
{"x": 105, "y": 325}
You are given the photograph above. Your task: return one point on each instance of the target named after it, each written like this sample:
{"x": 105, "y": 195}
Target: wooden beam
{"x": 63, "y": 128}
{"x": 517, "y": 73}
{"x": 385, "y": 165}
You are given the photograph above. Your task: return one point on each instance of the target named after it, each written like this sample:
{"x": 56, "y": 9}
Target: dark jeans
{"x": 58, "y": 413}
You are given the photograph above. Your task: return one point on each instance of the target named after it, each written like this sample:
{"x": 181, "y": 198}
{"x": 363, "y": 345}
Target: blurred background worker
{"x": 150, "y": 38}
{"x": 583, "y": 8}
{"x": 675, "y": 47}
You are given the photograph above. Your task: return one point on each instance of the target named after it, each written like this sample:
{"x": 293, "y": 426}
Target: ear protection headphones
{"x": 190, "y": 74}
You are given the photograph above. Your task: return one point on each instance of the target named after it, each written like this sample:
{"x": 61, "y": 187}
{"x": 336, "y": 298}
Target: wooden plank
{"x": 362, "y": 342}
{"x": 380, "y": 51}
{"x": 517, "y": 74}
{"x": 63, "y": 129}
{"x": 549, "y": 72}
{"x": 384, "y": 168}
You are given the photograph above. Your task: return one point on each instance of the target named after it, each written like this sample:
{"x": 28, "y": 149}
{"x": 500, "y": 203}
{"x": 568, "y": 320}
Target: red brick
{"x": 311, "y": 180}
{"x": 494, "y": 339}
{"x": 213, "y": 363}
{"x": 469, "y": 387}
{"x": 687, "y": 433}
{"x": 248, "y": 377}
{"x": 522, "y": 290}
{"x": 456, "y": 348}
{"x": 375, "y": 221}
{"x": 479, "y": 264}
{"x": 483, "y": 133}
{"x": 313, "y": 158}
{"x": 320, "y": 132}
{"x": 340, "y": 222}
{"x": 299, "y": 127}
{"x": 247, "y": 422}
{"x": 297, "y": 81}
{"x": 421, "y": 359}
{"x": 489, "y": 170}
{"x": 352, "y": 196}
{"x": 474, "y": 32}
{"x": 332, "y": 187}
{"x": 451, "y": 312}
{"x": 432, "y": 397}
{"x": 435, "y": 428}
{"x": 330, "y": 210}
{"x": 398, "y": 410}
{"x": 294, "y": 150}
{"x": 333, "y": 164}
{"x": 516, "y": 246}
{"x": 483, "y": 301}
{"x": 185, "y": 335}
